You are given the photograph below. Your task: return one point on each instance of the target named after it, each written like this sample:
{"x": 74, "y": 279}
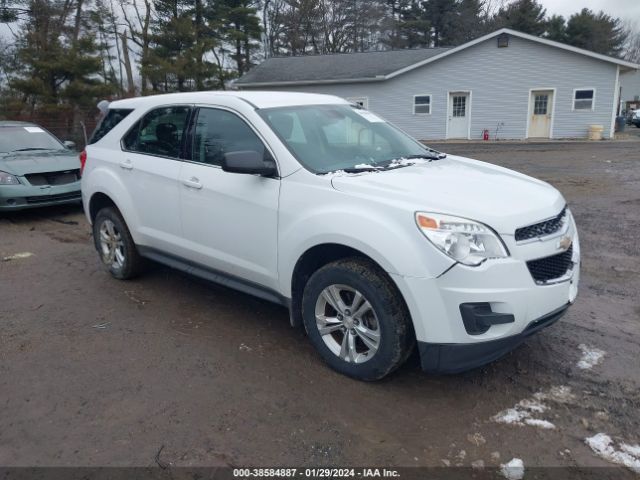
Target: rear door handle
{"x": 126, "y": 165}
{"x": 193, "y": 182}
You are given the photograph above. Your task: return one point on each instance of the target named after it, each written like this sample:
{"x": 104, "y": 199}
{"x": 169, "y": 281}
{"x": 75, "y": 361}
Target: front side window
{"x": 113, "y": 117}
{"x": 326, "y": 138}
{"x": 160, "y": 132}
{"x": 422, "y": 104}
{"x": 218, "y": 132}
{"x": 583, "y": 99}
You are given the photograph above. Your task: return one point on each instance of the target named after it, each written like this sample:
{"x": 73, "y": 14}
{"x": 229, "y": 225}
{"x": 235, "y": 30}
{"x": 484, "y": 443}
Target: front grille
{"x": 541, "y": 229}
{"x": 53, "y": 178}
{"x": 551, "y": 268}
{"x": 55, "y": 198}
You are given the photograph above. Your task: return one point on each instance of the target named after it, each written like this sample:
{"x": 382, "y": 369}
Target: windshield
{"x": 27, "y": 138}
{"x": 327, "y": 138}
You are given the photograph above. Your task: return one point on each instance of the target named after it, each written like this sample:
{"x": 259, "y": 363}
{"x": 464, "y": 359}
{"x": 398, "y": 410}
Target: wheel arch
{"x": 97, "y": 202}
{"x": 317, "y": 257}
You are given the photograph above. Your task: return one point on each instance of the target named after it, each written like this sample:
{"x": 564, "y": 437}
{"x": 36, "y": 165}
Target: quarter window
{"x": 219, "y": 132}
{"x": 160, "y": 132}
{"x": 583, "y": 99}
{"x": 113, "y": 117}
{"x": 422, "y": 104}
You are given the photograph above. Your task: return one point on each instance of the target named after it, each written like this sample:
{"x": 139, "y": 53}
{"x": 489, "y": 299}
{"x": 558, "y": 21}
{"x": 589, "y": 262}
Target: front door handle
{"x": 193, "y": 182}
{"x": 126, "y": 165}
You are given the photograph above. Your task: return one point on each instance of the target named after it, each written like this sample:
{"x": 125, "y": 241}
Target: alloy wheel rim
{"x": 347, "y": 323}
{"x": 111, "y": 245}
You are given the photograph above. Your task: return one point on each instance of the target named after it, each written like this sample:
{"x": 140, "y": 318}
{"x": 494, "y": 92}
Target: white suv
{"x": 373, "y": 241}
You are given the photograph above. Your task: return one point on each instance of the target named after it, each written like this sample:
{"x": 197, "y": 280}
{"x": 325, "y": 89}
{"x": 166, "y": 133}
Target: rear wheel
{"x": 114, "y": 244}
{"x": 356, "y": 319}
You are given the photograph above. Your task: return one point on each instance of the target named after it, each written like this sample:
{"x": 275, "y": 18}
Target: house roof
{"x": 378, "y": 66}
{"x": 369, "y": 66}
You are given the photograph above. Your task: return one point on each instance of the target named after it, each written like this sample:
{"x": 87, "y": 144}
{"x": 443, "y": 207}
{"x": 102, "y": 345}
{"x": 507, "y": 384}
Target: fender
{"x": 102, "y": 180}
{"x": 356, "y": 227}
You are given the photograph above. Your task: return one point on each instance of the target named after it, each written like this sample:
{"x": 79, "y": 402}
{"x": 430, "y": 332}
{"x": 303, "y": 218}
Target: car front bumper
{"x": 20, "y": 197}
{"x": 507, "y": 294}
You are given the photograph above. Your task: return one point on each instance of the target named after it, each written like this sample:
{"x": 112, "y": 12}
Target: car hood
{"x": 501, "y": 198}
{"x": 24, "y": 163}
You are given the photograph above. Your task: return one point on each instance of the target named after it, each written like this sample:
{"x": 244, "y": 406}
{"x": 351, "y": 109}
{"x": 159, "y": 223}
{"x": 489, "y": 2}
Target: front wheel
{"x": 356, "y": 319}
{"x": 115, "y": 245}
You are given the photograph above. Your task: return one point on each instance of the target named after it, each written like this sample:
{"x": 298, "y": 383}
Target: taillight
{"x": 83, "y": 161}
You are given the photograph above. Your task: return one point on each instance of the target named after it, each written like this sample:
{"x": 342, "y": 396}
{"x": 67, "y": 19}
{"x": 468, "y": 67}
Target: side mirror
{"x": 248, "y": 162}
{"x": 69, "y": 144}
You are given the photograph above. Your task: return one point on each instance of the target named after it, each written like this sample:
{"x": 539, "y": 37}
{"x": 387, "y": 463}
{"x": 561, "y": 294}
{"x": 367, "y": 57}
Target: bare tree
{"x": 137, "y": 14}
{"x": 632, "y": 45}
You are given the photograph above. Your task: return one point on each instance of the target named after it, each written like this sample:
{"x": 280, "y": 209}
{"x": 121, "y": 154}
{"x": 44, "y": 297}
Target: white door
{"x": 540, "y": 113}
{"x": 229, "y": 220}
{"x": 458, "y": 115}
{"x": 149, "y": 167}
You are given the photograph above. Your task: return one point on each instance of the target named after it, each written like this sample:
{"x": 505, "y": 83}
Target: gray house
{"x": 630, "y": 89}
{"x": 512, "y": 84}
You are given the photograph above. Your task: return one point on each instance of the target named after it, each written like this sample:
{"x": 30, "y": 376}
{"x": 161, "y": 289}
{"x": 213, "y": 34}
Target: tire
{"x": 386, "y": 325}
{"x": 109, "y": 229}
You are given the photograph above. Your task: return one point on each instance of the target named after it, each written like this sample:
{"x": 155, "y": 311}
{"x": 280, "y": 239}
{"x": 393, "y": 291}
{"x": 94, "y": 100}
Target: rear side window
{"x": 111, "y": 119}
{"x": 160, "y": 132}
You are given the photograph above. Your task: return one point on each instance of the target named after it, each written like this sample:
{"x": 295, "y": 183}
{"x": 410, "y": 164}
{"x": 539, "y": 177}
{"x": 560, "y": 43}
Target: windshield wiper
{"x": 30, "y": 149}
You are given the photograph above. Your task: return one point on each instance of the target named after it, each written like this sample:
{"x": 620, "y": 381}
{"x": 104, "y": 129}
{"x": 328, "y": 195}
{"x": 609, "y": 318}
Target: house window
{"x": 541, "y": 104}
{"x": 584, "y": 99}
{"x": 362, "y": 102}
{"x": 459, "y": 106}
{"x": 422, "y": 105}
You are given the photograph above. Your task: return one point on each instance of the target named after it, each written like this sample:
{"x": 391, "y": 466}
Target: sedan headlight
{"x": 8, "y": 179}
{"x": 466, "y": 241}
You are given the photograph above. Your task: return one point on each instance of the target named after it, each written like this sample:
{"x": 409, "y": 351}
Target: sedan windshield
{"x": 27, "y": 138}
{"x": 327, "y": 138}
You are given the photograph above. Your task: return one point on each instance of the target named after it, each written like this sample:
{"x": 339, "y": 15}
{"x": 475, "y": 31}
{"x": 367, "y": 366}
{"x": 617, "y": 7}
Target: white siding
{"x": 500, "y": 79}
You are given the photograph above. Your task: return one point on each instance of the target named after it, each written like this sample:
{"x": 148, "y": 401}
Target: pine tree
{"x": 557, "y": 29}
{"x": 526, "y": 16}
{"x": 597, "y": 32}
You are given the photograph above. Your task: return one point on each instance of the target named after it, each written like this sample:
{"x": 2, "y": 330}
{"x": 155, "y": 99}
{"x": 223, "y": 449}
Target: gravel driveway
{"x": 168, "y": 368}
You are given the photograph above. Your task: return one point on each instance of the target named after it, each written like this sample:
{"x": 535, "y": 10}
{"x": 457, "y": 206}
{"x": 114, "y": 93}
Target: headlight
{"x": 8, "y": 179}
{"x": 466, "y": 241}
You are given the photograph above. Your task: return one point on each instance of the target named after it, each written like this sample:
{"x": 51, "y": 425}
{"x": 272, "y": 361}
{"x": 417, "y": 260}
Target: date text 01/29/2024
{"x": 246, "y": 473}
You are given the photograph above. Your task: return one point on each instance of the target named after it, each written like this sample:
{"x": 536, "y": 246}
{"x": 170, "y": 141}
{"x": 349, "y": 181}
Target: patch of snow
{"x": 631, "y": 449}
{"x": 628, "y": 455}
{"x": 534, "y": 422}
{"x": 17, "y": 256}
{"x": 524, "y": 412}
{"x": 513, "y": 470}
{"x": 590, "y": 357}
{"x": 477, "y": 464}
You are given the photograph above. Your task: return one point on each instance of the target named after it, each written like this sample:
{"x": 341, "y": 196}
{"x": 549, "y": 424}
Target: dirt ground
{"x": 94, "y": 371}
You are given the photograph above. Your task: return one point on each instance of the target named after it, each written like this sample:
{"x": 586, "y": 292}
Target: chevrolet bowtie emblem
{"x": 564, "y": 243}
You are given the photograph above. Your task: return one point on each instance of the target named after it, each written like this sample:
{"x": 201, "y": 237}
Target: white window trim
{"x": 573, "y": 100}
{"x": 430, "y": 103}
{"x": 364, "y": 100}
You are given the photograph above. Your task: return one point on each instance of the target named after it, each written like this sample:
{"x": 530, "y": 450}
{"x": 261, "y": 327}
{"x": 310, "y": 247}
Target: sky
{"x": 627, "y": 10}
